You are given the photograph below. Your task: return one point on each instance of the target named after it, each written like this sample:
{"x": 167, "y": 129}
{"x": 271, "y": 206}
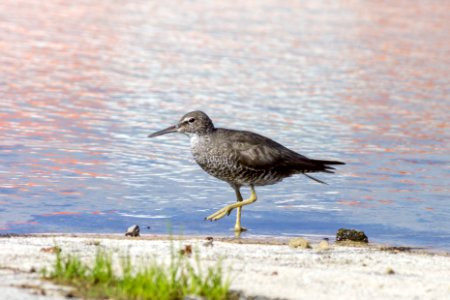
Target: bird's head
{"x": 194, "y": 122}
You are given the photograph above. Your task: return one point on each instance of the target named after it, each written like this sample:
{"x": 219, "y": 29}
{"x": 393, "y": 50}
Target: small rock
{"x": 187, "y": 250}
{"x": 54, "y": 249}
{"x": 299, "y": 243}
{"x": 133, "y": 231}
{"x": 209, "y": 242}
{"x": 70, "y": 295}
{"x": 324, "y": 245}
{"x": 93, "y": 243}
{"x": 351, "y": 235}
{"x": 390, "y": 271}
{"x": 396, "y": 249}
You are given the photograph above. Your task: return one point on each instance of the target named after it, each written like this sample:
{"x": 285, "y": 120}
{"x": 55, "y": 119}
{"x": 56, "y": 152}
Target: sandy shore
{"x": 258, "y": 267}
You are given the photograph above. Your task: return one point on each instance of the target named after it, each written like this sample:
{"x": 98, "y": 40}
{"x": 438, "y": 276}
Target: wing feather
{"x": 258, "y": 152}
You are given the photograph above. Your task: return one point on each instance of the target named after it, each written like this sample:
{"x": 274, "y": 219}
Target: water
{"x": 82, "y": 84}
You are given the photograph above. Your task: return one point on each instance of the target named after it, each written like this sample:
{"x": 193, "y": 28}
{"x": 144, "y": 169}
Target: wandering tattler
{"x": 242, "y": 158}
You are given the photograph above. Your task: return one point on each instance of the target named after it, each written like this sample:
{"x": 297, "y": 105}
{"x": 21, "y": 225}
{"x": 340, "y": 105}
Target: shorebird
{"x": 242, "y": 158}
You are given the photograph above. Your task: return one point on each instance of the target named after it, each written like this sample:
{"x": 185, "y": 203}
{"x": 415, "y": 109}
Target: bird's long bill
{"x": 164, "y": 131}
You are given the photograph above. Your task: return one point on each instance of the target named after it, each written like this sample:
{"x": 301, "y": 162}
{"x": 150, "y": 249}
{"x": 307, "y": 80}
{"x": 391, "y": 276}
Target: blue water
{"x": 82, "y": 84}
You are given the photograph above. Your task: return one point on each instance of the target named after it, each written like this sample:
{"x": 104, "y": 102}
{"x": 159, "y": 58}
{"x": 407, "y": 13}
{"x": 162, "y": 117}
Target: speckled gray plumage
{"x": 242, "y": 158}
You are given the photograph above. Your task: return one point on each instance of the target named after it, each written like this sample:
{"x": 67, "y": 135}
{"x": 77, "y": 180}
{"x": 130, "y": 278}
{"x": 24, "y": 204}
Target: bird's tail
{"x": 322, "y": 166}
{"x": 325, "y": 165}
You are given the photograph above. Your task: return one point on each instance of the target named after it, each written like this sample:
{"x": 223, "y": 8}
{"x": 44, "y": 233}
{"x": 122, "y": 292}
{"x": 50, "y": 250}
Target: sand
{"x": 258, "y": 267}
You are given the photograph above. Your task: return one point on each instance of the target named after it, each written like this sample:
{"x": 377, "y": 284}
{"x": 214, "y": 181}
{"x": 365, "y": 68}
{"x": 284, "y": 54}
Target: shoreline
{"x": 264, "y": 267}
{"x": 253, "y": 239}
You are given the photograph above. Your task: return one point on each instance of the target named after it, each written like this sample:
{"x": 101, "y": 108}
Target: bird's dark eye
{"x": 191, "y": 120}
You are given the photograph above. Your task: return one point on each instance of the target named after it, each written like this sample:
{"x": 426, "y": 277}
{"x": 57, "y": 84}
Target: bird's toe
{"x": 219, "y": 214}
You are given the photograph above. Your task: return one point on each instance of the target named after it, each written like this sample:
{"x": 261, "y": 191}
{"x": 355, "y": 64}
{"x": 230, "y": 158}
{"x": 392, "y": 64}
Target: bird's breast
{"x": 199, "y": 148}
{"x": 208, "y": 155}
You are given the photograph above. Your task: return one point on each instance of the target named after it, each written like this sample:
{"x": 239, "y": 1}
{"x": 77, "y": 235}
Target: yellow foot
{"x": 220, "y": 213}
{"x": 237, "y": 234}
{"x": 239, "y": 229}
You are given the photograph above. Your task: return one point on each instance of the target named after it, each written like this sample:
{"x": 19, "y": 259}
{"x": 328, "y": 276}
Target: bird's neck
{"x": 198, "y": 140}
{"x": 195, "y": 138}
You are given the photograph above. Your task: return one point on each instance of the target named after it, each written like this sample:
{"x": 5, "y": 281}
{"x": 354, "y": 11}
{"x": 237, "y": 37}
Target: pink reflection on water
{"x": 59, "y": 213}
{"x": 367, "y": 81}
{"x": 403, "y": 77}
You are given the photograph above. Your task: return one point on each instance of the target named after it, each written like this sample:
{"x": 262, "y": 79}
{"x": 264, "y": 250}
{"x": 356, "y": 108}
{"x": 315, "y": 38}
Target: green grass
{"x": 150, "y": 280}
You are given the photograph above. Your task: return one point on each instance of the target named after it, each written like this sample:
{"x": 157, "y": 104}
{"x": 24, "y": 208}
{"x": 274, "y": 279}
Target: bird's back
{"x": 244, "y": 158}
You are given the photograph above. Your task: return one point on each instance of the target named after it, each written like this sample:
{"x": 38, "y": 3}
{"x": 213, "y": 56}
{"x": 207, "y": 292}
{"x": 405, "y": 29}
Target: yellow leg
{"x": 237, "y": 227}
{"x": 227, "y": 209}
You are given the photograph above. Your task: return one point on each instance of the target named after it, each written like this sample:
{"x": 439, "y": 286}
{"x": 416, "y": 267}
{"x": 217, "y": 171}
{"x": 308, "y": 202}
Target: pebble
{"x": 133, "y": 231}
{"x": 324, "y": 245}
{"x": 299, "y": 243}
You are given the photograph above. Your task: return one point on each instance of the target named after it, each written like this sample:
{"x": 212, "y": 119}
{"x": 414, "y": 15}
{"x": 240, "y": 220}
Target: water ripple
{"x": 83, "y": 84}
